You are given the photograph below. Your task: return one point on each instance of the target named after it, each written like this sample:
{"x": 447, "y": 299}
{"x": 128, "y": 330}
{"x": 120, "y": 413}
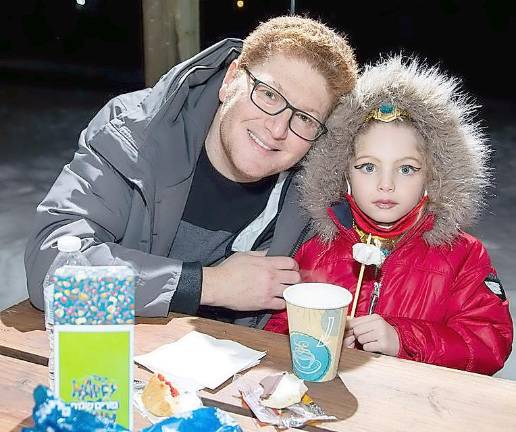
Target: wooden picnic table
{"x": 375, "y": 392}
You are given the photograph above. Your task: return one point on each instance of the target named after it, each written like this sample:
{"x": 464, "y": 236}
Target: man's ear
{"x": 230, "y": 76}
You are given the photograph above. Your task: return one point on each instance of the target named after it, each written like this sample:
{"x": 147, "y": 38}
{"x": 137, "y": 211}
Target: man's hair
{"x": 327, "y": 51}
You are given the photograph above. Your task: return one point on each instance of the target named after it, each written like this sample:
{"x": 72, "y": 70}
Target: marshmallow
{"x": 368, "y": 254}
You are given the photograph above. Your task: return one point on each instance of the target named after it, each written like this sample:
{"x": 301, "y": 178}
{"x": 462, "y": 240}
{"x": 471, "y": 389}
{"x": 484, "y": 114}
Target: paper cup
{"x": 316, "y": 320}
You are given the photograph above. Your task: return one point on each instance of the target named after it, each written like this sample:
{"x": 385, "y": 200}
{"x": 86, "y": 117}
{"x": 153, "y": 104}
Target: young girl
{"x": 404, "y": 168}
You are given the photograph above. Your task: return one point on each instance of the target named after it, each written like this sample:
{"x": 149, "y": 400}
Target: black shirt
{"x": 219, "y": 204}
{"x": 216, "y": 210}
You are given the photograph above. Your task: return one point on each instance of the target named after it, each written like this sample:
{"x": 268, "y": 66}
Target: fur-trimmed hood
{"x": 456, "y": 149}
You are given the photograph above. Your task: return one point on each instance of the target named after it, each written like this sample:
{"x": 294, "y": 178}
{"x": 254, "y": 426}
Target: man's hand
{"x": 249, "y": 281}
{"x": 373, "y": 333}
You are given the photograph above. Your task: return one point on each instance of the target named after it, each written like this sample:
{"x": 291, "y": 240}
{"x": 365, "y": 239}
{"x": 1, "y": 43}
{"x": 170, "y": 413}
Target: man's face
{"x": 250, "y": 144}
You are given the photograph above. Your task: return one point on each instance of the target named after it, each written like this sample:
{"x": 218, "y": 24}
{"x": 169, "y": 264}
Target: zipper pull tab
{"x": 374, "y": 297}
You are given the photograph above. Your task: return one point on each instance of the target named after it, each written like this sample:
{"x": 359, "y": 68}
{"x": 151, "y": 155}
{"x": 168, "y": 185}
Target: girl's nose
{"x": 386, "y": 184}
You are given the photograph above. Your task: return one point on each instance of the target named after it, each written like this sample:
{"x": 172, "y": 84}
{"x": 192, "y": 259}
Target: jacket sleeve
{"x": 91, "y": 200}
{"x": 477, "y": 333}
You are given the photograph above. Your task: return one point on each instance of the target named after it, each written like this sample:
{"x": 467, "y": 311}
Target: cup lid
{"x": 315, "y": 295}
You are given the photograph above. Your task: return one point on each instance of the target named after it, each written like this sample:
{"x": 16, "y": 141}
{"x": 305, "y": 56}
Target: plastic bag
{"x": 52, "y": 414}
{"x": 295, "y": 415}
{"x": 204, "y": 419}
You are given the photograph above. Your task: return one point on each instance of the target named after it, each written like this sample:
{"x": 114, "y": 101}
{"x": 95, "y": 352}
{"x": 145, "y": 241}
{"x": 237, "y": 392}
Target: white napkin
{"x": 200, "y": 359}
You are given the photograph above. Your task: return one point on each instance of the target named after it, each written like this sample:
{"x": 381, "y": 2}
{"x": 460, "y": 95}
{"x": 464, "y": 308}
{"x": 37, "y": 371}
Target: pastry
{"x": 160, "y": 397}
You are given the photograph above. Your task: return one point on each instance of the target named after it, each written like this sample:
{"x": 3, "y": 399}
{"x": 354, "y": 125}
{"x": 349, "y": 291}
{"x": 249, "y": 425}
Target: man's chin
{"x": 250, "y": 173}
{"x": 252, "y": 177}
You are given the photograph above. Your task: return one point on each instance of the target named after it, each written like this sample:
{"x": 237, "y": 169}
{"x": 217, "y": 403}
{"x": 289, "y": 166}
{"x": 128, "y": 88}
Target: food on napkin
{"x": 160, "y": 397}
{"x": 294, "y": 415}
{"x": 282, "y": 390}
{"x": 200, "y": 359}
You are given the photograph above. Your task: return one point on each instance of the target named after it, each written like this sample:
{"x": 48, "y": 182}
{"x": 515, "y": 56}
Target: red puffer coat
{"x": 438, "y": 298}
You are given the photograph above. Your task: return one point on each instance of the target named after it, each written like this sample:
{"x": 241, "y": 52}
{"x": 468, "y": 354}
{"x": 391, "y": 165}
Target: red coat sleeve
{"x": 477, "y": 333}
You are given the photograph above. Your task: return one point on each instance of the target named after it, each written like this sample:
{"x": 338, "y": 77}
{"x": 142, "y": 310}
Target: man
{"x": 191, "y": 181}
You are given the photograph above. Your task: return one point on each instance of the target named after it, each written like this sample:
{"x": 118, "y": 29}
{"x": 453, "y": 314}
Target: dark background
{"x": 100, "y": 43}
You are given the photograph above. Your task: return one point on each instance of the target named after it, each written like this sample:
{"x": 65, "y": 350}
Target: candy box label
{"x": 94, "y": 369}
{"x": 93, "y": 340}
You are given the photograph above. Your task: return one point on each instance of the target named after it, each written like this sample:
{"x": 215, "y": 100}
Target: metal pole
{"x": 292, "y": 7}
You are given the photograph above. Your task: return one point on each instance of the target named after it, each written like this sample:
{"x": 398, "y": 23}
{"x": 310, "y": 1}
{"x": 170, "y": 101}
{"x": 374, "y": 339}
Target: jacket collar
{"x": 340, "y": 214}
{"x": 146, "y": 143}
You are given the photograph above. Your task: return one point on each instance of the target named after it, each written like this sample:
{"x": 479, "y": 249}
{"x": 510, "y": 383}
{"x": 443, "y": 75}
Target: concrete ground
{"x": 39, "y": 129}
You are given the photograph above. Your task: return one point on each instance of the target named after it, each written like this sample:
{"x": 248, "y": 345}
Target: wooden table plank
{"x": 430, "y": 398}
{"x": 23, "y": 337}
{"x": 22, "y": 333}
{"x": 19, "y": 378}
{"x": 381, "y": 393}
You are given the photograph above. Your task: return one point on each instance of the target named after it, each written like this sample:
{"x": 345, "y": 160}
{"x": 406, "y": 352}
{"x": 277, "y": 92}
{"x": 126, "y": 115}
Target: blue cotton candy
{"x": 204, "y": 419}
{"x": 52, "y": 414}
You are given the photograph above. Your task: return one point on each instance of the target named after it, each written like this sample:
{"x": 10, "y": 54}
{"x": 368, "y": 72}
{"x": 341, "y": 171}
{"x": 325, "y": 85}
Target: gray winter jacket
{"x": 125, "y": 190}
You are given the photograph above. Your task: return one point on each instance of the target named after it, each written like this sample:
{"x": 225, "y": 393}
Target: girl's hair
{"x": 455, "y": 148}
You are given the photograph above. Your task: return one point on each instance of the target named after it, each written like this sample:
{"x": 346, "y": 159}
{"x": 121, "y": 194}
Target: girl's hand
{"x": 374, "y": 334}
{"x": 349, "y": 339}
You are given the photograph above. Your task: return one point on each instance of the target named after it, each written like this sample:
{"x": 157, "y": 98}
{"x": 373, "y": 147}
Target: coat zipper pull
{"x": 374, "y": 297}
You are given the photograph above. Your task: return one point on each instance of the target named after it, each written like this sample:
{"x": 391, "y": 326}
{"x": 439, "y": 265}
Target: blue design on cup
{"x": 310, "y": 358}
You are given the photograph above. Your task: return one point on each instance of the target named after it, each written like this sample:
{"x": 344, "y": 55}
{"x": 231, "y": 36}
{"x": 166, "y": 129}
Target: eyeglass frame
{"x": 322, "y": 127}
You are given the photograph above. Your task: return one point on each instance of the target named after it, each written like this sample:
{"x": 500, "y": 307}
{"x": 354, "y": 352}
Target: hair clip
{"x": 387, "y": 112}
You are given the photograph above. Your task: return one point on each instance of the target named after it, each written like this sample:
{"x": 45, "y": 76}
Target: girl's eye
{"x": 408, "y": 169}
{"x": 366, "y": 168}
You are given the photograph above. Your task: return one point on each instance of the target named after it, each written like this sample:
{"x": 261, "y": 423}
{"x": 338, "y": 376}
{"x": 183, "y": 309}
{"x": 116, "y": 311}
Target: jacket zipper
{"x": 374, "y": 297}
{"x": 300, "y": 240}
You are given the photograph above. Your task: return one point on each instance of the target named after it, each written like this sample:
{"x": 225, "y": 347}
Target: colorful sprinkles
{"x": 94, "y": 295}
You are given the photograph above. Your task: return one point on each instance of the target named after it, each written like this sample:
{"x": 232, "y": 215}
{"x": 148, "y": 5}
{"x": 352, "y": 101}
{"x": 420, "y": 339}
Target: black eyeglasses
{"x": 272, "y": 102}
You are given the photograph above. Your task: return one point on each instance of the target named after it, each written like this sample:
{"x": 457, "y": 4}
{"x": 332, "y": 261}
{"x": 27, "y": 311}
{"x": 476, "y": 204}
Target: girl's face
{"x": 387, "y": 174}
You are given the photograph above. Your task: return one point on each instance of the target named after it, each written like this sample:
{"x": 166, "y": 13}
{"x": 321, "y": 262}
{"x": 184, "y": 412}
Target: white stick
{"x": 359, "y": 284}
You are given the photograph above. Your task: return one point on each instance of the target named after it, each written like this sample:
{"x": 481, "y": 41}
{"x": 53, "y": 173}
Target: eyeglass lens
{"x": 272, "y": 102}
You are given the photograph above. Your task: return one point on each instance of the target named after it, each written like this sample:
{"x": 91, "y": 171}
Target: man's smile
{"x": 259, "y": 142}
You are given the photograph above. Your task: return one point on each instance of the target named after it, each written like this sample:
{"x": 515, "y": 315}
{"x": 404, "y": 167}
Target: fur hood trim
{"x": 456, "y": 150}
